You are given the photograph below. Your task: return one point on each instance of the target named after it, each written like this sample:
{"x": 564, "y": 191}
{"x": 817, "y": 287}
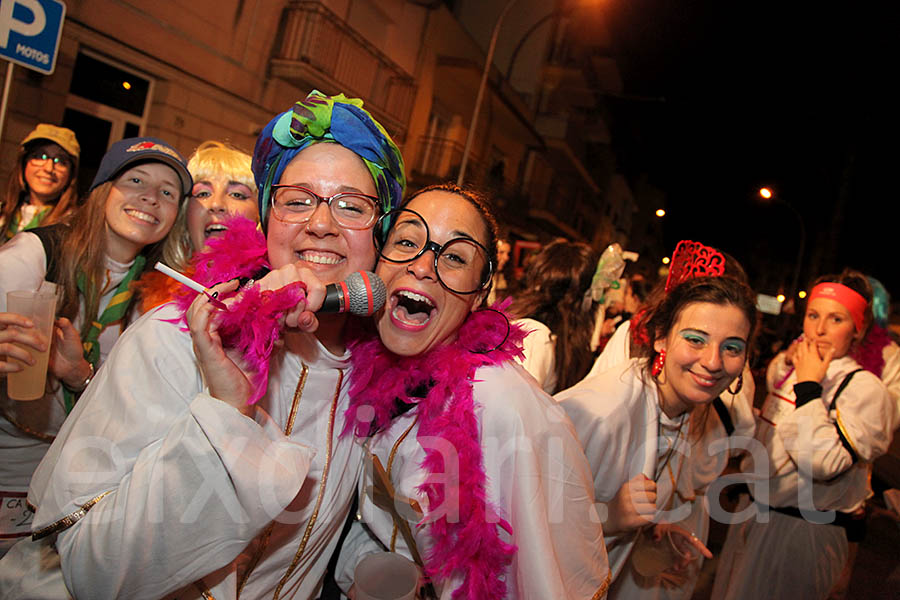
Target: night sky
{"x": 759, "y": 94}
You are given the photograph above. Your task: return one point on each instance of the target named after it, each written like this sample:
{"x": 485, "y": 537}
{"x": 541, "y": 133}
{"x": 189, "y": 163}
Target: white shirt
{"x": 181, "y": 487}
{"x": 539, "y": 349}
{"x": 537, "y": 479}
{"x": 808, "y": 437}
{"x": 27, "y": 428}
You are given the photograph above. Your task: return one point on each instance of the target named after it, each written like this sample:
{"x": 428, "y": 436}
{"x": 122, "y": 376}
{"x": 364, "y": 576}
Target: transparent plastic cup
{"x": 386, "y": 576}
{"x": 40, "y": 307}
{"x": 651, "y": 557}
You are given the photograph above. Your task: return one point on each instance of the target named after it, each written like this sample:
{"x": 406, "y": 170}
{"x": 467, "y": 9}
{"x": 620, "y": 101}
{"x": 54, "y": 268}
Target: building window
{"x": 107, "y": 102}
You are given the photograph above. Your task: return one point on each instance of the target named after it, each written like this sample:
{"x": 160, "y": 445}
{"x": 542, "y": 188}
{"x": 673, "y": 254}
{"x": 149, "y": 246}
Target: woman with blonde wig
{"x": 223, "y": 188}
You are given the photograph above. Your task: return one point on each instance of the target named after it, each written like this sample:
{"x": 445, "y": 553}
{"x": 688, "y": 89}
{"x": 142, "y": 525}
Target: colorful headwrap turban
{"x": 338, "y": 119}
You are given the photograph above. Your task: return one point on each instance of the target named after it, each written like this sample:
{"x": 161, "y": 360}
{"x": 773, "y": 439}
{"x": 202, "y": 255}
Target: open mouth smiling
{"x": 214, "y": 229}
{"x": 141, "y": 216}
{"x": 412, "y": 309}
{"x": 320, "y": 257}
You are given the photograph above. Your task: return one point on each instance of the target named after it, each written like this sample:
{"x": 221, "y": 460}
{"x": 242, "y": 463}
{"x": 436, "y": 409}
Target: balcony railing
{"x": 318, "y": 46}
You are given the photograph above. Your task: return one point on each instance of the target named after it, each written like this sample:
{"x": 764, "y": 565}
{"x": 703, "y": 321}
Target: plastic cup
{"x": 40, "y": 307}
{"x": 650, "y": 558}
{"x": 386, "y": 576}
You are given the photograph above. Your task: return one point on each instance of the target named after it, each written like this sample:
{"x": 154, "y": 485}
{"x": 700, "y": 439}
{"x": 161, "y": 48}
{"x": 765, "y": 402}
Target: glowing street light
{"x": 768, "y": 194}
{"x": 802, "y": 294}
{"x": 665, "y": 260}
{"x": 780, "y": 297}
{"x": 660, "y": 212}
{"x": 126, "y": 85}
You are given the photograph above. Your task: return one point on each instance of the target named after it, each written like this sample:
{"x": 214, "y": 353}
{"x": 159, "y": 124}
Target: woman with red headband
{"x": 823, "y": 423}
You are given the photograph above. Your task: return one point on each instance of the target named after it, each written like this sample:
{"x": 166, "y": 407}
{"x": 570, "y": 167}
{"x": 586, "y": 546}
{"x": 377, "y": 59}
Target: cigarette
{"x": 181, "y": 278}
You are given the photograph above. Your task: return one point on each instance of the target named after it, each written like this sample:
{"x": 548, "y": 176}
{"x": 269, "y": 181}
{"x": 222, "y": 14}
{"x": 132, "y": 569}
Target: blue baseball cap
{"x": 142, "y": 149}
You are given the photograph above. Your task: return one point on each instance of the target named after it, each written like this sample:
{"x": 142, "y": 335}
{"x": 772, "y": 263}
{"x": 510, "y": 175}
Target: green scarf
{"x": 14, "y": 228}
{"x": 114, "y": 312}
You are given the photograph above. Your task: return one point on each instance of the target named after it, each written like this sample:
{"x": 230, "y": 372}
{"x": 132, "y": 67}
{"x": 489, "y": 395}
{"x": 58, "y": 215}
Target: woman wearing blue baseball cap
{"x": 209, "y": 480}
{"x": 129, "y": 211}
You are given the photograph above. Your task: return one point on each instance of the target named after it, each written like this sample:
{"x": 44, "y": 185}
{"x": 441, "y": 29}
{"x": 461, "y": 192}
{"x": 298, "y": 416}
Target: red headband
{"x": 850, "y": 299}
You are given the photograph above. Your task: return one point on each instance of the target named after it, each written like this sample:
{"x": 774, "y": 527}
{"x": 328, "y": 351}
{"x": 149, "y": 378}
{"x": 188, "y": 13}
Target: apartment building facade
{"x": 193, "y": 70}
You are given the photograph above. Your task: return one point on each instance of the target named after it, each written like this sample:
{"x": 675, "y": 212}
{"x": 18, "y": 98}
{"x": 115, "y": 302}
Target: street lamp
{"x": 485, "y": 72}
{"x": 768, "y": 194}
{"x": 470, "y": 136}
{"x": 660, "y": 212}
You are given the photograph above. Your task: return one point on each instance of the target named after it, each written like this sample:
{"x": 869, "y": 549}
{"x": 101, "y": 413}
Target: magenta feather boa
{"x": 870, "y": 353}
{"x": 252, "y": 324}
{"x": 471, "y": 544}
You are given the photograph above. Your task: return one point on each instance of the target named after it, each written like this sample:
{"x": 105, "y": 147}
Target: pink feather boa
{"x": 253, "y": 323}
{"x": 471, "y": 544}
{"x": 870, "y": 353}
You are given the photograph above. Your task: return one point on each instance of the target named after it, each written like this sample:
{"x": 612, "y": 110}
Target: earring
{"x": 740, "y": 385}
{"x": 658, "y": 363}
{"x": 503, "y": 330}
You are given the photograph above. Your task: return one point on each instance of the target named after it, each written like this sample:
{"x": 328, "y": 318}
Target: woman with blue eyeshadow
{"x": 647, "y": 423}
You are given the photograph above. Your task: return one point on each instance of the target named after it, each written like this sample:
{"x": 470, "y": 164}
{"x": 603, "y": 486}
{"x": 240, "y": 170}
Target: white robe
{"x": 537, "y": 479}
{"x": 27, "y": 428}
{"x": 539, "y": 349}
{"x": 890, "y": 376}
{"x": 774, "y": 555}
{"x": 157, "y": 488}
{"x": 695, "y": 475}
{"x": 624, "y": 433}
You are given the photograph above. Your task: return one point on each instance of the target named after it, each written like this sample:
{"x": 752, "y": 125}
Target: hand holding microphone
{"x": 362, "y": 293}
{"x": 234, "y": 362}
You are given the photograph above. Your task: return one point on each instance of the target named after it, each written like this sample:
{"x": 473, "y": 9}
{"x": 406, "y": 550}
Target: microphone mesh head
{"x": 366, "y": 293}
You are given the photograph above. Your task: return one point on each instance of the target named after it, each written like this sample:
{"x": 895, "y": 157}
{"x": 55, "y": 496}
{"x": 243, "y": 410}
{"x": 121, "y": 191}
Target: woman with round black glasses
{"x": 491, "y": 491}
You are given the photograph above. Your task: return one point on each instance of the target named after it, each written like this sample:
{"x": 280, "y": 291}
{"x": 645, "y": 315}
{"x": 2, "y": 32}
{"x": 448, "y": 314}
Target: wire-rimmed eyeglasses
{"x": 350, "y": 210}
{"x": 462, "y": 265}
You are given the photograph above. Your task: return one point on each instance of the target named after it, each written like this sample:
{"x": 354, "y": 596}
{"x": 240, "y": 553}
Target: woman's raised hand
{"x": 633, "y": 506}
{"x": 67, "y": 362}
{"x": 17, "y": 334}
{"x": 221, "y": 369}
{"x": 303, "y": 315}
{"x": 809, "y": 365}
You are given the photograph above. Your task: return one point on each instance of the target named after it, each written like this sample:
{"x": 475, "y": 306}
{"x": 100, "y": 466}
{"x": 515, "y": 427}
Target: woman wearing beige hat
{"x": 42, "y": 187}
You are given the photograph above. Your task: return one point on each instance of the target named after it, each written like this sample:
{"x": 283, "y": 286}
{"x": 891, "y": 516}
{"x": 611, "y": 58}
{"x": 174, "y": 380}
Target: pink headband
{"x": 850, "y": 299}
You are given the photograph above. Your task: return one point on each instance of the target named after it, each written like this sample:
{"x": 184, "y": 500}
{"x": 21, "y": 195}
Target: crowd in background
{"x": 587, "y": 415}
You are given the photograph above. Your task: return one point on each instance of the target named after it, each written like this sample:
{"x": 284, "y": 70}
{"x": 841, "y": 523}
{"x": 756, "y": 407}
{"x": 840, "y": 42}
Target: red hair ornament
{"x": 690, "y": 259}
{"x": 693, "y": 259}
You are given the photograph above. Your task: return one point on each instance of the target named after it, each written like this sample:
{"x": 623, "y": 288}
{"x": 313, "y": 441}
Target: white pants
{"x": 784, "y": 558}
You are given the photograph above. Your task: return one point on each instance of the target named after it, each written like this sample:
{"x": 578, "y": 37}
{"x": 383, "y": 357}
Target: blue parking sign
{"x": 30, "y": 32}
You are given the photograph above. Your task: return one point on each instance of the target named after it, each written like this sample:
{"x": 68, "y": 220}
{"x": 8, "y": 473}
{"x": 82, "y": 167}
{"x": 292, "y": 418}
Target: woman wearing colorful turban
{"x": 167, "y": 464}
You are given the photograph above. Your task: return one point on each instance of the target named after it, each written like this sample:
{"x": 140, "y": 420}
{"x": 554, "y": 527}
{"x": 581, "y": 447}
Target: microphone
{"x": 361, "y": 294}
